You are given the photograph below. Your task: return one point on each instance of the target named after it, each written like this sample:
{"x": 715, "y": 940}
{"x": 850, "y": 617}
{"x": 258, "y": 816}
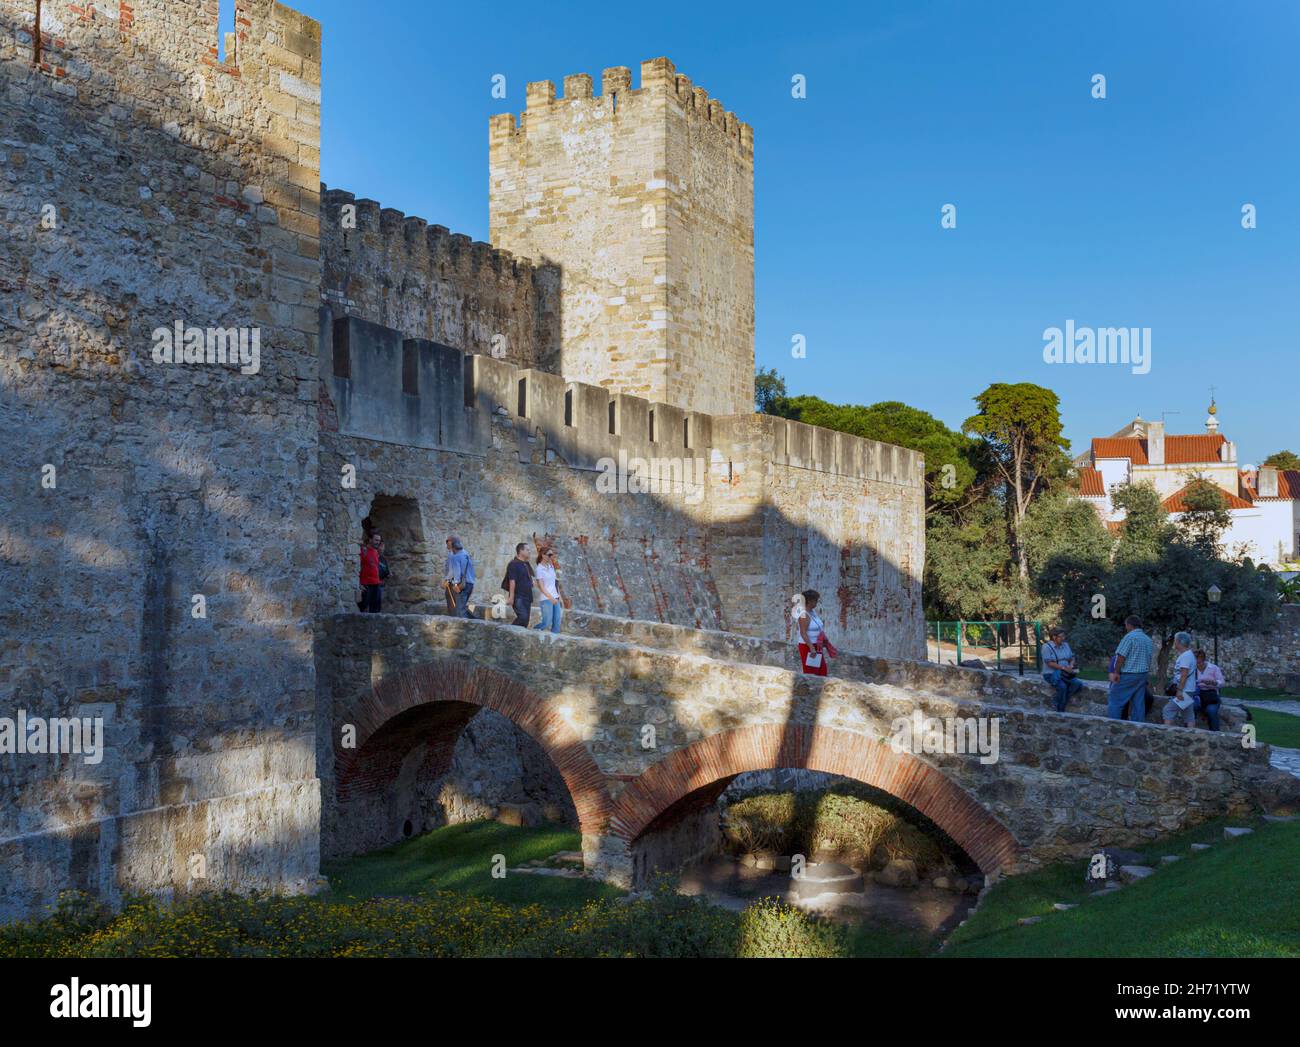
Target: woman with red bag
{"x": 814, "y": 647}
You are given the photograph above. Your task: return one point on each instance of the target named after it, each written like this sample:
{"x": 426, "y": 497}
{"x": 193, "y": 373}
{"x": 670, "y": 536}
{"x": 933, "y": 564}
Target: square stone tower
{"x": 644, "y": 199}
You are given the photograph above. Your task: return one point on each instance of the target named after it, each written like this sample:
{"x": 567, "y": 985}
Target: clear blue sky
{"x": 1122, "y": 212}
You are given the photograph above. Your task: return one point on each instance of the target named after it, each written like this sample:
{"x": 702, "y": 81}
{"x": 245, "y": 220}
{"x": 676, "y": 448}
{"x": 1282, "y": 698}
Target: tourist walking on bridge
{"x": 548, "y": 583}
{"x": 459, "y": 583}
{"x": 1128, "y": 675}
{"x": 518, "y": 584}
{"x": 814, "y": 648}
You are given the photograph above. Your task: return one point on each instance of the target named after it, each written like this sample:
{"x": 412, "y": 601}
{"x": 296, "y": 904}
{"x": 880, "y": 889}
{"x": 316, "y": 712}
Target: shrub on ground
{"x": 662, "y": 924}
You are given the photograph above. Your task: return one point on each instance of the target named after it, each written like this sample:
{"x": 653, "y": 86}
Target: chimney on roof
{"x": 1266, "y": 485}
{"x": 1156, "y": 443}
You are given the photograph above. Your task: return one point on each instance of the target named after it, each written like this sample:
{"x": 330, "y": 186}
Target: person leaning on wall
{"x": 372, "y": 592}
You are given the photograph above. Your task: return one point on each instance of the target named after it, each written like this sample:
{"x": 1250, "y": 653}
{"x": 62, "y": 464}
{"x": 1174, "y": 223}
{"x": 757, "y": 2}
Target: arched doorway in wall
{"x": 415, "y": 570}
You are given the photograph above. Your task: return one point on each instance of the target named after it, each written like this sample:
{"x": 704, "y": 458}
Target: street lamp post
{"x": 1213, "y": 594}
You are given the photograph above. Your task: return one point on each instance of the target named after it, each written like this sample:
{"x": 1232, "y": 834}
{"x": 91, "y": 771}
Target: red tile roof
{"x": 1108, "y": 447}
{"x": 1177, "y": 503}
{"x": 1090, "y": 484}
{"x": 1187, "y": 450}
{"x": 1179, "y": 450}
{"x": 1288, "y": 485}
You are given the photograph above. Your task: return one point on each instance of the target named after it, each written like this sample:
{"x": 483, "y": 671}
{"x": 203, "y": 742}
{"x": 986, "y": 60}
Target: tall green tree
{"x": 1163, "y": 573}
{"x": 1284, "y": 460}
{"x": 1169, "y": 593}
{"x": 1206, "y": 517}
{"x": 966, "y": 565}
{"x": 1069, "y": 557}
{"x": 1145, "y": 528}
{"x": 1020, "y": 428}
{"x": 769, "y": 390}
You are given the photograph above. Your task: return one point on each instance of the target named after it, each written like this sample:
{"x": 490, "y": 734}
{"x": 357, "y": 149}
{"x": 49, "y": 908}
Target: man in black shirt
{"x": 519, "y": 584}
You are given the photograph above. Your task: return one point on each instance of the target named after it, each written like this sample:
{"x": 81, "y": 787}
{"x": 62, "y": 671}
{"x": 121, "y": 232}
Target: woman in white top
{"x": 1182, "y": 687}
{"x": 548, "y": 582}
{"x": 814, "y": 648}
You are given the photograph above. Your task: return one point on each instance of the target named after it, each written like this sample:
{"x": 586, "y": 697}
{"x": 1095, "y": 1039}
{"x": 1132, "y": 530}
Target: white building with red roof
{"x": 1264, "y": 503}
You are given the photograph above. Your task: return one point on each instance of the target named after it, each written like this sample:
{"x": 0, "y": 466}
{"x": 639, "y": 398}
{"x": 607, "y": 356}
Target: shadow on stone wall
{"x": 171, "y": 482}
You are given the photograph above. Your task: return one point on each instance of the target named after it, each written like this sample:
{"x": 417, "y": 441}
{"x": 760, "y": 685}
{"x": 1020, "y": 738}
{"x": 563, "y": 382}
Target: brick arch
{"x": 438, "y": 696}
{"x": 770, "y": 746}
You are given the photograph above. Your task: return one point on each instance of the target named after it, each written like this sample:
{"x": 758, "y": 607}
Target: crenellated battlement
{"x": 410, "y": 233}
{"x": 400, "y": 271}
{"x": 644, "y": 197}
{"x": 659, "y": 80}
{"x": 418, "y": 393}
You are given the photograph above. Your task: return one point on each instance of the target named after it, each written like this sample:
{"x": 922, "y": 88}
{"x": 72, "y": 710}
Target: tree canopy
{"x": 1003, "y": 527}
{"x": 1020, "y": 426}
{"x": 950, "y": 471}
{"x": 1286, "y": 460}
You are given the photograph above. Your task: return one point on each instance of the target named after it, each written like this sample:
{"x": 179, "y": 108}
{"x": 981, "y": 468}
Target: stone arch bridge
{"x": 647, "y": 723}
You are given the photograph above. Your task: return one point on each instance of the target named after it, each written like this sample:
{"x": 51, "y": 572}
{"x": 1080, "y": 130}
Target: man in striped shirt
{"x": 1128, "y": 674}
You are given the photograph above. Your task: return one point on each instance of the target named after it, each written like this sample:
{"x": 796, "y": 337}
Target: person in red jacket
{"x": 371, "y": 589}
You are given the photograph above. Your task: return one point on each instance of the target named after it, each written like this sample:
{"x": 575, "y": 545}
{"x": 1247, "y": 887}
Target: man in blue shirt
{"x": 1128, "y": 674}
{"x": 460, "y": 578}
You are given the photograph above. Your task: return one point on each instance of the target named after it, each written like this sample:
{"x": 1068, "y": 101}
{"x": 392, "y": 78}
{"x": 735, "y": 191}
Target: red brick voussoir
{"x": 448, "y": 681}
{"x": 763, "y": 747}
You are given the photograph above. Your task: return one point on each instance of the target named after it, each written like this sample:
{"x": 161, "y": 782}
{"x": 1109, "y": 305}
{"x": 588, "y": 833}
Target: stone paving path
{"x": 1282, "y": 707}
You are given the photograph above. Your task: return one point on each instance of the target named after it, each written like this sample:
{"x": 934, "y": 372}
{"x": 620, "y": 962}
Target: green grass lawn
{"x": 1237, "y": 899}
{"x": 1274, "y": 728}
{"x": 435, "y": 896}
{"x": 459, "y": 858}
{"x": 1259, "y": 694}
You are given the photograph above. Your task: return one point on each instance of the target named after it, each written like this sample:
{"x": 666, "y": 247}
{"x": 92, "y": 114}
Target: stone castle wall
{"x": 809, "y": 508}
{"x": 643, "y": 198}
{"x": 1264, "y": 659}
{"x": 146, "y": 182}
{"x": 744, "y": 511}
{"x": 383, "y": 266}
{"x": 175, "y": 188}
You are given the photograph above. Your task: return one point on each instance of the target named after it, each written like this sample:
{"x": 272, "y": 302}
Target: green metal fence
{"x": 1004, "y": 645}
